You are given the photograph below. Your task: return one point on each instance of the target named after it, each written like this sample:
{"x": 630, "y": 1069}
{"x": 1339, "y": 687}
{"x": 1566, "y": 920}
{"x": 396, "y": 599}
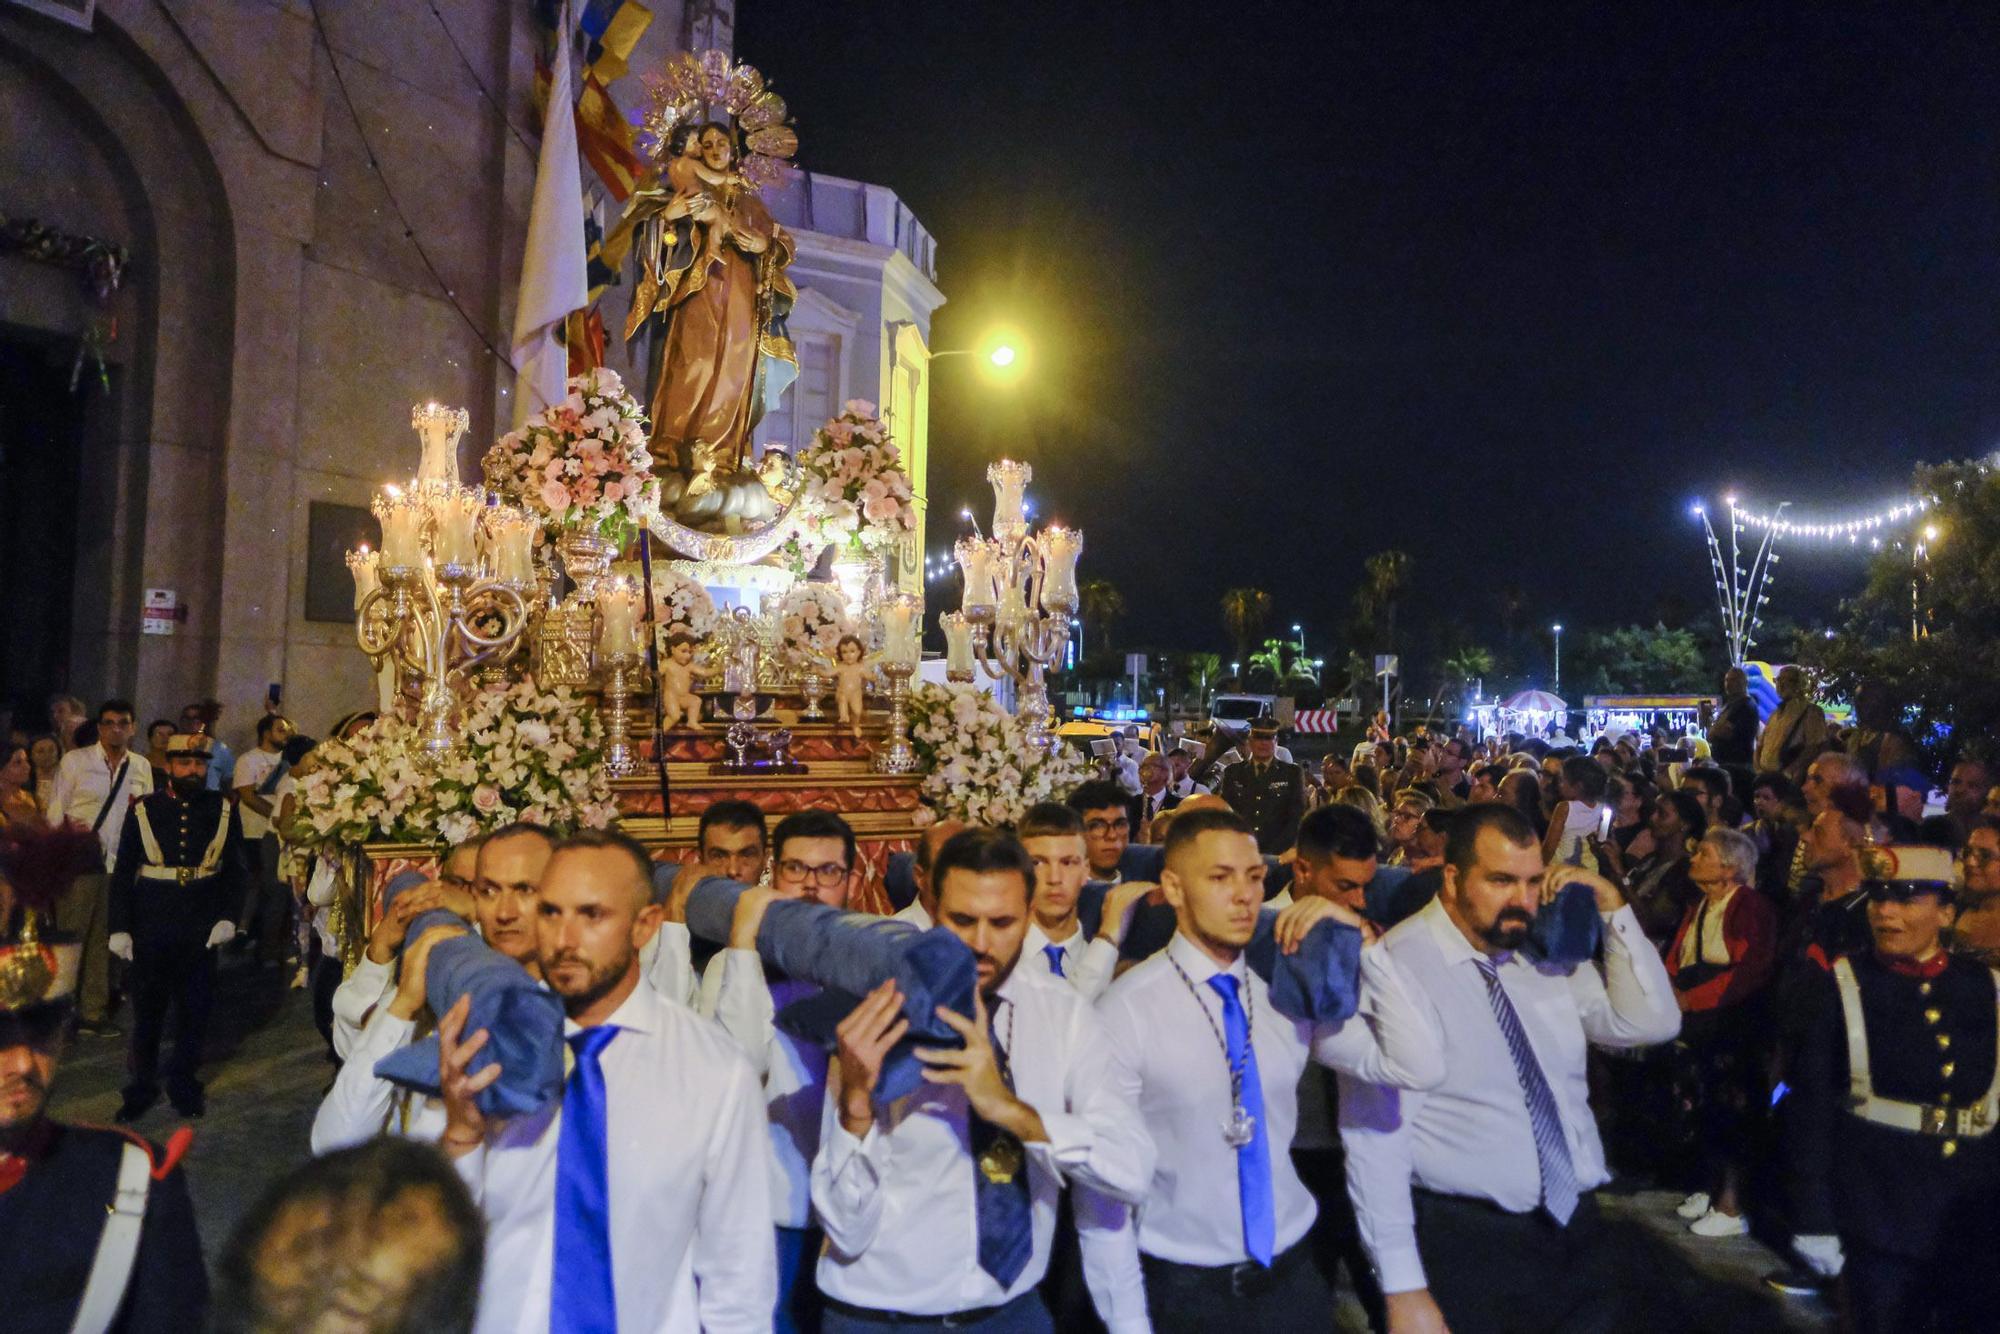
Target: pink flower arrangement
{"x": 811, "y": 620}
{"x": 581, "y": 463}
{"x": 856, "y": 492}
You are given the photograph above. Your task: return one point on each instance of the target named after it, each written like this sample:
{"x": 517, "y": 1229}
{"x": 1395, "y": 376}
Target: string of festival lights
{"x": 1830, "y": 530}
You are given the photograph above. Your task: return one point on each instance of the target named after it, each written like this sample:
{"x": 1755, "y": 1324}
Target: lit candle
{"x": 457, "y": 512}
{"x": 975, "y": 562}
{"x": 439, "y": 427}
{"x": 402, "y": 529}
{"x": 365, "y": 566}
{"x": 1010, "y": 483}
{"x": 899, "y": 630}
{"x": 510, "y": 537}
{"x": 618, "y": 605}
{"x": 957, "y": 644}
{"x": 1060, "y": 548}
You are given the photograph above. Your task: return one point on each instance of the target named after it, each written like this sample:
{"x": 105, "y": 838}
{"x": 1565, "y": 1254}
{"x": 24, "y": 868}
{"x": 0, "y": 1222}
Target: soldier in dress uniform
{"x": 100, "y": 1233}
{"x": 1268, "y": 792}
{"x": 179, "y": 878}
{"x": 1894, "y": 1166}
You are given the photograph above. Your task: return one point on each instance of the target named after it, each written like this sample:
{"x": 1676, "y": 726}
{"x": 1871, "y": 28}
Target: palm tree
{"x": 1386, "y": 573}
{"x": 1102, "y": 604}
{"x": 1200, "y": 670}
{"x": 1244, "y": 611}
{"x": 1269, "y": 660}
{"x": 1469, "y": 663}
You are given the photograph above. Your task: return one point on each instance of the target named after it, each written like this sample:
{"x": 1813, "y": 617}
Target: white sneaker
{"x": 1715, "y": 1223}
{"x": 1694, "y": 1206}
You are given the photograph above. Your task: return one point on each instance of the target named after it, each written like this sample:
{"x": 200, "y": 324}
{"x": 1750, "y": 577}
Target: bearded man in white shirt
{"x": 1473, "y": 1198}
{"x": 940, "y": 1207}
{"x": 95, "y": 786}
{"x": 640, "y": 1200}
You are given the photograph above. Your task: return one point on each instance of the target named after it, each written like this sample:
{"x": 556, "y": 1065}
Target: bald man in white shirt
{"x": 1220, "y": 1237}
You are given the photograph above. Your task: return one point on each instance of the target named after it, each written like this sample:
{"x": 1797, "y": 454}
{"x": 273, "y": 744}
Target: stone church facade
{"x": 325, "y": 208}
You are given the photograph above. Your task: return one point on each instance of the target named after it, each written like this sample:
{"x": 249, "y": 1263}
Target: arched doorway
{"x": 100, "y": 477}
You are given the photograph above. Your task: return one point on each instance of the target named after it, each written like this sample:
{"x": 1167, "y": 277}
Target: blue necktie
{"x": 1004, "y": 1213}
{"x": 1559, "y": 1189}
{"x": 581, "y": 1296}
{"x": 1253, "y": 1160}
{"x": 1055, "y": 953}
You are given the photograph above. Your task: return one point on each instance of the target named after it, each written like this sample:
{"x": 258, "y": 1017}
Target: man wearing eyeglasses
{"x": 1406, "y": 823}
{"x": 1107, "y": 826}
{"x": 812, "y": 858}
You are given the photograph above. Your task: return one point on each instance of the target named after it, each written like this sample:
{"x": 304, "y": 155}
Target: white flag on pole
{"x": 553, "y": 281}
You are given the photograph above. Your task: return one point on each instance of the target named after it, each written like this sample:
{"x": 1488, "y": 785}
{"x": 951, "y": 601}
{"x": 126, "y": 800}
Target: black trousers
{"x": 1494, "y": 1272}
{"x": 1893, "y": 1294}
{"x": 1336, "y": 1236}
{"x": 1288, "y": 1298}
{"x": 1063, "y": 1288}
{"x": 325, "y": 976}
{"x": 176, "y": 973}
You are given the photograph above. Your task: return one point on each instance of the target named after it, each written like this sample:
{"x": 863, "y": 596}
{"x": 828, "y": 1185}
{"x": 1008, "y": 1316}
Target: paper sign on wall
{"x": 161, "y": 612}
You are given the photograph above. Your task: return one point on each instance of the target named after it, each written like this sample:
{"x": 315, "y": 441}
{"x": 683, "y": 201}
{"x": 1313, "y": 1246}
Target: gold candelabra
{"x": 444, "y": 593}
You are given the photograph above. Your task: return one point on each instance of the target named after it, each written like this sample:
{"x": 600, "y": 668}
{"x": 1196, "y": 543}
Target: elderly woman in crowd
{"x": 1721, "y": 960}
{"x": 1976, "y": 932}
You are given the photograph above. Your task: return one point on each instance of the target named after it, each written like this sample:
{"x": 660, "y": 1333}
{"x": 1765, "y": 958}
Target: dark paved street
{"x": 268, "y": 1070}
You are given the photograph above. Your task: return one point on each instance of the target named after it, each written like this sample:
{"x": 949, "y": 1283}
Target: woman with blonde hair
{"x": 1369, "y": 805}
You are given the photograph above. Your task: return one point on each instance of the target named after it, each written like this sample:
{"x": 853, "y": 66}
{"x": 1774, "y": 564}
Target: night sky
{"x": 1503, "y": 286}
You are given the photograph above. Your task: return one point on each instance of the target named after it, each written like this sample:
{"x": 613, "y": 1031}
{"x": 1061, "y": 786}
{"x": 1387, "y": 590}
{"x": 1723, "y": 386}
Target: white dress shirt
{"x": 915, "y": 915}
{"x": 357, "y": 997}
{"x": 1192, "y": 1213}
{"x": 1088, "y": 962}
{"x": 667, "y": 960}
{"x": 83, "y": 780}
{"x": 1318, "y": 1088}
{"x": 690, "y": 1218}
{"x": 898, "y": 1204}
{"x": 736, "y": 993}
{"x": 1151, "y": 802}
{"x": 1470, "y": 1135}
{"x": 362, "y": 1105}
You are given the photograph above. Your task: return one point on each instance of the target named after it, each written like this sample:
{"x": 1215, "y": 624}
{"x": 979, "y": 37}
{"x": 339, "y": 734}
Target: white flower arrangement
{"x": 978, "y": 764}
{"x": 528, "y": 754}
{"x": 855, "y": 491}
{"x": 812, "y": 618}
{"x": 681, "y": 605}
{"x": 581, "y": 463}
